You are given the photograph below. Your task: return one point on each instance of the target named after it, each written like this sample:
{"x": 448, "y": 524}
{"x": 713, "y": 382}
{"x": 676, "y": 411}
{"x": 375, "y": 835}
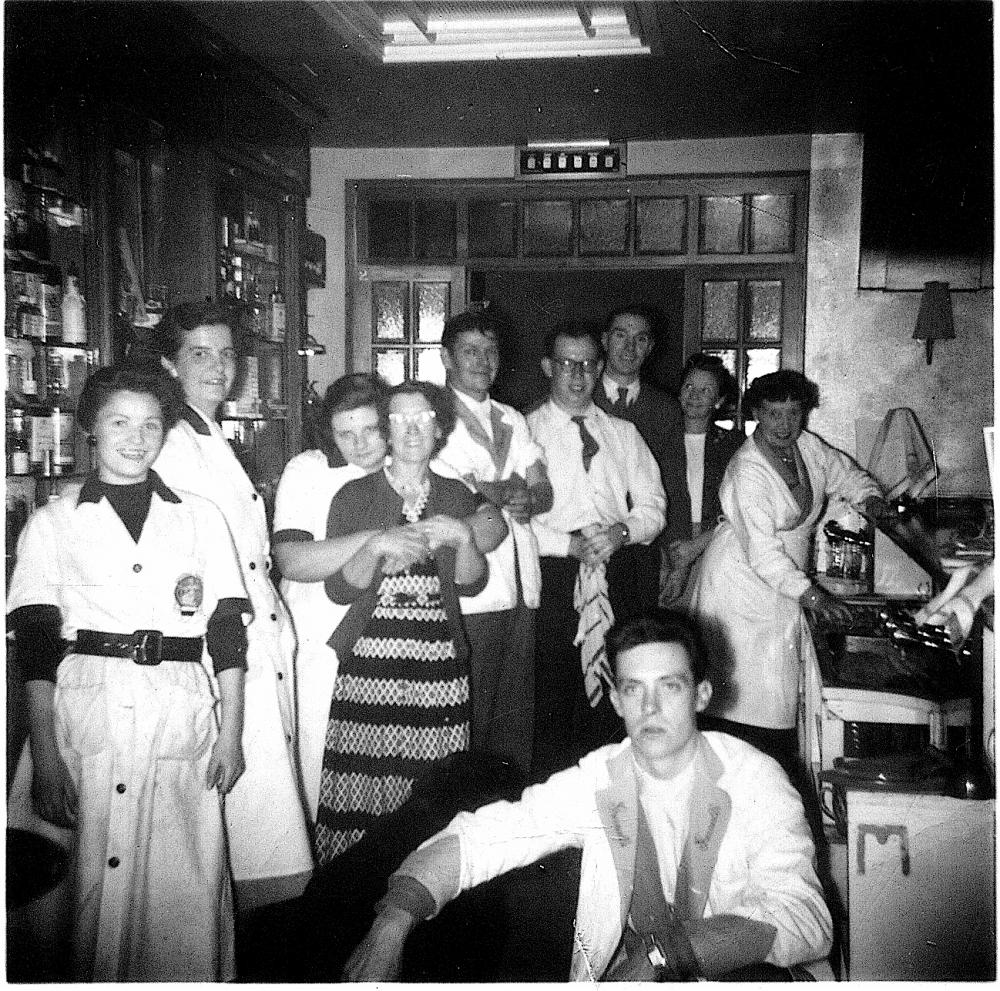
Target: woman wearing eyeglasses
{"x": 401, "y": 698}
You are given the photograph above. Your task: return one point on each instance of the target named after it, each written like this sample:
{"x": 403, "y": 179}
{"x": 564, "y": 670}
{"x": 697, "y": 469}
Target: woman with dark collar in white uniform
{"x": 265, "y": 816}
{"x": 125, "y": 746}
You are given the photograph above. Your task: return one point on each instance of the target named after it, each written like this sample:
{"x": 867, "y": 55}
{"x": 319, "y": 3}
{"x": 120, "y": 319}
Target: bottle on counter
{"x": 74, "y": 312}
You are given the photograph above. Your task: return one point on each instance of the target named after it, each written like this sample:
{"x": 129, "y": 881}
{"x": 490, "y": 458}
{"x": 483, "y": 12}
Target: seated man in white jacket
{"x": 696, "y": 856}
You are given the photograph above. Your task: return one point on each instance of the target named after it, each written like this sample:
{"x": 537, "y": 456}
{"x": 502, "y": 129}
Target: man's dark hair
{"x": 353, "y": 391}
{"x": 145, "y": 377}
{"x": 658, "y": 626}
{"x": 781, "y": 387}
{"x": 643, "y": 312}
{"x": 575, "y": 329}
{"x": 470, "y": 322}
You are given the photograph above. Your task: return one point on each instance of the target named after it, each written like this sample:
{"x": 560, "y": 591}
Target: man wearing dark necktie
{"x": 628, "y": 341}
{"x": 598, "y": 560}
{"x": 492, "y": 450}
{"x": 697, "y": 859}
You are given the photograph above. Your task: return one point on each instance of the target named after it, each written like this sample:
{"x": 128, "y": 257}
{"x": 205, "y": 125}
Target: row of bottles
{"x": 41, "y": 307}
{"x": 40, "y": 439}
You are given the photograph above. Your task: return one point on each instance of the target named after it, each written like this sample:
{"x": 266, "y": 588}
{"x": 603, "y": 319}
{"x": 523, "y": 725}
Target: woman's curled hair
{"x": 143, "y": 376}
{"x": 440, "y": 400}
{"x": 781, "y": 387}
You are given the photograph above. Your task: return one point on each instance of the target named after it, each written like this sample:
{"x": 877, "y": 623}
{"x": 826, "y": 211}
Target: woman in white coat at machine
{"x": 266, "y": 820}
{"x": 750, "y": 586}
{"x": 128, "y": 611}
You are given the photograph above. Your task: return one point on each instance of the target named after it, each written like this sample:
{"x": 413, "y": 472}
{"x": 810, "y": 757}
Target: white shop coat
{"x": 265, "y": 816}
{"x": 308, "y": 485}
{"x": 151, "y": 889}
{"x": 745, "y": 588}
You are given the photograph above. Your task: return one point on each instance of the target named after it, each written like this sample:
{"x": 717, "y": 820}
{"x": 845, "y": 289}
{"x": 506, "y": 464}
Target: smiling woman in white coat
{"x": 265, "y": 816}
{"x": 128, "y": 611}
{"x": 750, "y": 586}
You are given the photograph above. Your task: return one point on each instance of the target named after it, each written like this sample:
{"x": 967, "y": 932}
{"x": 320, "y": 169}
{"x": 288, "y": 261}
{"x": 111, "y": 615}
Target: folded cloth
{"x": 590, "y": 599}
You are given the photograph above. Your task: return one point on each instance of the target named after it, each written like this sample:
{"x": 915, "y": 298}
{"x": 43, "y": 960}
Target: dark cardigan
{"x": 720, "y": 446}
{"x": 371, "y": 503}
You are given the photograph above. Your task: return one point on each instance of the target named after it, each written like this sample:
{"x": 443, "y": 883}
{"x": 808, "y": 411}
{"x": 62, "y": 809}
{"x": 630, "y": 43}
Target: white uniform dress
{"x": 265, "y": 815}
{"x": 151, "y": 896}
{"x": 745, "y": 587}
{"x": 307, "y": 486}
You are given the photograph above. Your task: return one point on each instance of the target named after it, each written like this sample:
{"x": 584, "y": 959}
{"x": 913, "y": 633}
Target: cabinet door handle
{"x": 882, "y": 834}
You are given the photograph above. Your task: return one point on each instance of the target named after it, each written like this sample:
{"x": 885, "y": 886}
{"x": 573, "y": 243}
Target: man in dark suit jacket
{"x": 628, "y": 341}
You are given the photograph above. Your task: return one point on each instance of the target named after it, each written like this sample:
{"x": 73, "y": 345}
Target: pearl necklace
{"x": 414, "y": 496}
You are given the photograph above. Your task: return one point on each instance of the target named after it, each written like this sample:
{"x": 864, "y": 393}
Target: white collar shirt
{"x": 611, "y": 388}
{"x": 622, "y": 485}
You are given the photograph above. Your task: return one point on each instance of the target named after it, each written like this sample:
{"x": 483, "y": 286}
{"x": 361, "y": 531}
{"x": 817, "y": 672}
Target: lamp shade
{"x": 935, "y": 321}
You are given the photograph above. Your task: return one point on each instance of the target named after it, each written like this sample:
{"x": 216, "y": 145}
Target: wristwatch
{"x": 626, "y": 536}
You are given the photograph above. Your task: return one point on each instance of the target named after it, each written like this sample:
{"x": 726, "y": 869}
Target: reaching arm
{"x": 487, "y": 526}
{"x": 315, "y": 560}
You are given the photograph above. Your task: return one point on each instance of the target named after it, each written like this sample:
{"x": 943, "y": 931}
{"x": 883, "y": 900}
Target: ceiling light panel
{"x": 471, "y": 32}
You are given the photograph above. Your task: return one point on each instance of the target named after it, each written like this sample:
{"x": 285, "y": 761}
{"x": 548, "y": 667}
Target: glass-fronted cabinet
{"x": 257, "y": 243}
{"x": 50, "y": 344}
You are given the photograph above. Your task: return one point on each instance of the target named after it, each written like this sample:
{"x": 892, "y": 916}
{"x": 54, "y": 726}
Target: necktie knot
{"x": 590, "y": 446}
{"x": 622, "y": 401}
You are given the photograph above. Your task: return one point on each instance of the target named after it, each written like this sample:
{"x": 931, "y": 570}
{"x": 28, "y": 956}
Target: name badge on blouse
{"x": 189, "y": 592}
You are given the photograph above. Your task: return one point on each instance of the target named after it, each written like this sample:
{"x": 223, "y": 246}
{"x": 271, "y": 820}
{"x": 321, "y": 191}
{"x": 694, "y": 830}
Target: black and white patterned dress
{"x": 400, "y": 704}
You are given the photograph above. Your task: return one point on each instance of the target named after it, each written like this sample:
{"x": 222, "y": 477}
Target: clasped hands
{"x": 403, "y": 546}
{"x": 511, "y": 494}
{"x": 595, "y": 544}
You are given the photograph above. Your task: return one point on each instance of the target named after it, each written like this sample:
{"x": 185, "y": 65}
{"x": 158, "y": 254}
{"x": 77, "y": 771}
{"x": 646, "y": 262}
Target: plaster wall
{"x": 859, "y": 345}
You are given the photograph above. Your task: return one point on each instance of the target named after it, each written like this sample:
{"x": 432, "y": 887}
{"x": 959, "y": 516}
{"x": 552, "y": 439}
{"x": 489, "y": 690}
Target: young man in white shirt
{"x": 492, "y": 450}
{"x": 697, "y": 860}
{"x": 599, "y": 561}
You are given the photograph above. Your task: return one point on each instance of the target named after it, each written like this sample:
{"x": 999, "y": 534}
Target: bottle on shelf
{"x": 74, "y": 311}
{"x": 38, "y": 421}
{"x": 30, "y": 323}
{"x": 278, "y": 315}
{"x": 18, "y": 460}
{"x": 61, "y": 415}
{"x": 51, "y": 303}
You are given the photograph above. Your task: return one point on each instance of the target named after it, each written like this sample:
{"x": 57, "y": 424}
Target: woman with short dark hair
{"x": 708, "y": 390}
{"x": 125, "y": 600}
{"x": 268, "y": 836}
{"x": 351, "y": 443}
{"x": 751, "y": 585}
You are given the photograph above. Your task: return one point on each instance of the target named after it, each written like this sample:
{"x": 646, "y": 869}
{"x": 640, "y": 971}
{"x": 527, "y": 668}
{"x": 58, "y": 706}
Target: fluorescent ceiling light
{"x": 466, "y": 32}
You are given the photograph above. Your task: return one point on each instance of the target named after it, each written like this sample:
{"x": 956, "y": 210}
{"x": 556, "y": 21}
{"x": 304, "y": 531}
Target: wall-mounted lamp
{"x": 935, "y": 321}
{"x": 312, "y": 347}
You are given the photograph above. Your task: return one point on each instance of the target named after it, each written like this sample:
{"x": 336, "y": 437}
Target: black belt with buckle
{"x": 145, "y": 647}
